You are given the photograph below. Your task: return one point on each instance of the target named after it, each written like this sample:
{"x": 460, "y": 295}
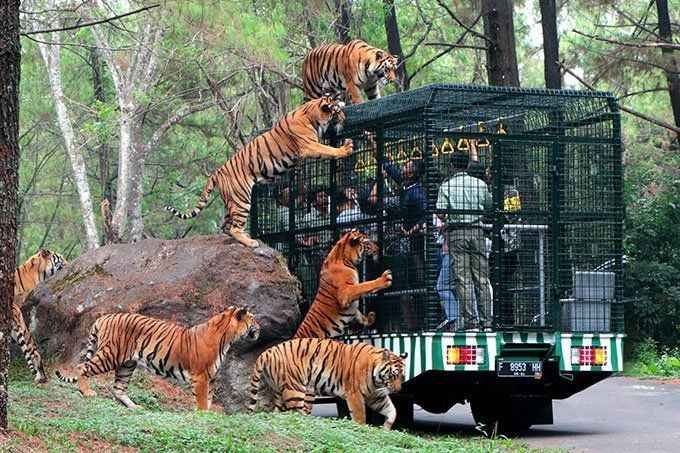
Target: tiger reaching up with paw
{"x": 118, "y": 342}
{"x": 337, "y": 301}
{"x": 271, "y": 154}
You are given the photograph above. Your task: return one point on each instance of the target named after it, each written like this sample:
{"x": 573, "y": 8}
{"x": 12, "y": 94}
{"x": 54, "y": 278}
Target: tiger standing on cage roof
{"x": 348, "y": 69}
{"x": 295, "y": 137}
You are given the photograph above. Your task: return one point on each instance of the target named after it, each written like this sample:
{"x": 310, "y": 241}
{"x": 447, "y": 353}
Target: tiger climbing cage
{"x": 547, "y": 234}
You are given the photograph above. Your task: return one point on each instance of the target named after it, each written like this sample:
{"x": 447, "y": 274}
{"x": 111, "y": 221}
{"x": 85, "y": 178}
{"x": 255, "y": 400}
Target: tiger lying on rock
{"x": 118, "y": 342}
{"x": 296, "y": 370}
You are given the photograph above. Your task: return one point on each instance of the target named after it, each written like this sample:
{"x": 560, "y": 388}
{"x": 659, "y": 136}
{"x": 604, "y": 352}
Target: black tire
{"x": 489, "y": 410}
{"x": 404, "y": 406}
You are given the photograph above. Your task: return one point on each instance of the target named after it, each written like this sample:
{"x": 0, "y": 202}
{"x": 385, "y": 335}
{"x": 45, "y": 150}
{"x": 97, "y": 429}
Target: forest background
{"x": 139, "y": 109}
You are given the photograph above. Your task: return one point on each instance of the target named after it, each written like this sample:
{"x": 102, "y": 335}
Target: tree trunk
{"x": 10, "y": 68}
{"x": 501, "y": 57}
{"x": 673, "y": 71}
{"x": 51, "y": 56}
{"x": 394, "y": 43}
{"x": 551, "y": 45}
{"x": 342, "y": 23}
{"x": 103, "y": 149}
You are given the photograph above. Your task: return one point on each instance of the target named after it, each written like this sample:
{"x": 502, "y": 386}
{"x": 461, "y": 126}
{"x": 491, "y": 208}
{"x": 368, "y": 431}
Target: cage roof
{"x": 476, "y": 102}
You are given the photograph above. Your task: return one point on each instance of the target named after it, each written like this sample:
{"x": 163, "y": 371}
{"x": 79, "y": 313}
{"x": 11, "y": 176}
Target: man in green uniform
{"x": 465, "y": 198}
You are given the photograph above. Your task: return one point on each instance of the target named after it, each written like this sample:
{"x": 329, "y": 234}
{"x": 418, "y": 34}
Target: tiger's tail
{"x": 256, "y": 381}
{"x": 92, "y": 341}
{"x": 66, "y": 379}
{"x": 202, "y": 201}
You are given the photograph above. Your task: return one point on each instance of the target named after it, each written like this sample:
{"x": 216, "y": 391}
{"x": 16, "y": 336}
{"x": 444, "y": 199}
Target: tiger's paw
{"x": 89, "y": 393}
{"x": 370, "y": 318}
{"x": 387, "y": 279}
{"x": 40, "y": 379}
{"x": 347, "y": 148}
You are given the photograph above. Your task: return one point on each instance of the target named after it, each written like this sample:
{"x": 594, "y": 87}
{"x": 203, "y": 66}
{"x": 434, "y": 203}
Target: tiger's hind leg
{"x": 238, "y": 211}
{"x": 309, "y": 402}
{"x": 97, "y": 364}
{"x": 123, "y": 375}
{"x": 22, "y": 336}
{"x": 294, "y": 399}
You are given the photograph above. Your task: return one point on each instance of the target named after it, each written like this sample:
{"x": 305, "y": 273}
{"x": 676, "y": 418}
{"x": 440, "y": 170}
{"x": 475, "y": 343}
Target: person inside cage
{"x": 464, "y": 199}
{"x": 446, "y": 292}
{"x": 312, "y": 244}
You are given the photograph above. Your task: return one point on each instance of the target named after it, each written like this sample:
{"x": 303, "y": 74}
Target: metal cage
{"x": 541, "y": 249}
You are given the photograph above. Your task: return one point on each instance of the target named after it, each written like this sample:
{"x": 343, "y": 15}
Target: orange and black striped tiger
{"x": 336, "y": 304}
{"x": 349, "y": 68}
{"x": 292, "y": 139}
{"x": 296, "y": 370}
{"x": 119, "y": 342}
{"x": 37, "y": 268}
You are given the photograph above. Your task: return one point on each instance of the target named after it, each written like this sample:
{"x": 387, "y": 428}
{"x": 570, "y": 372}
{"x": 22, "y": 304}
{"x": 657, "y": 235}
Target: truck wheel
{"x": 342, "y": 408}
{"x": 496, "y": 415}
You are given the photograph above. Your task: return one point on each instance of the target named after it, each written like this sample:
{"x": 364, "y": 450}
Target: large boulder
{"x": 186, "y": 281}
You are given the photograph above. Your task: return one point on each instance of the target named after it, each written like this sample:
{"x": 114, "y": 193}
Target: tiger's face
{"x": 357, "y": 244}
{"x": 331, "y": 114}
{"x": 240, "y": 322}
{"x": 47, "y": 263}
{"x": 383, "y": 66}
{"x": 389, "y": 372}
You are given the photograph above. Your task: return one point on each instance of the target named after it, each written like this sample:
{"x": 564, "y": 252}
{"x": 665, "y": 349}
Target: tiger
{"x": 269, "y": 155}
{"x": 37, "y": 268}
{"x": 336, "y": 304}
{"x": 119, "y": 342}
{"x": 296, "y": 370}
{"x": 347, "y": 69}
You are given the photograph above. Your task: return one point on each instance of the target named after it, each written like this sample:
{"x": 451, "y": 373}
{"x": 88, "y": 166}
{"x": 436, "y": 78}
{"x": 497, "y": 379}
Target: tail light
{"x": 464, "y": 355}
{"x": 589, "y": 355}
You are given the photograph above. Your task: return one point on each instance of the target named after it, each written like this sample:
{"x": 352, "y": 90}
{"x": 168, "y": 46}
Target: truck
{"x": 525, "y": 309}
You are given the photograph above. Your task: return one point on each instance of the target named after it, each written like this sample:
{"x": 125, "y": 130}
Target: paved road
{"x": 616, "y": 415}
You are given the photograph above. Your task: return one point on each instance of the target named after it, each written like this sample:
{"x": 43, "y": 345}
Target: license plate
{"x": 520, "y": 368}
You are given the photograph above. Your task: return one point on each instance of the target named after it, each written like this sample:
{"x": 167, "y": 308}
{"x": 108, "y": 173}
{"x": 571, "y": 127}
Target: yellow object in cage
{"x": 447, "y": 146}
{"x": 359, "y": 165}
{"x": 402, "y": 158}
{"x": 416, "y": 153}
{"x": 512, "y": 203}
{"x": 463, "y": 144}
{"x": 435, "y": 150}
{"x": 483, "y": 143}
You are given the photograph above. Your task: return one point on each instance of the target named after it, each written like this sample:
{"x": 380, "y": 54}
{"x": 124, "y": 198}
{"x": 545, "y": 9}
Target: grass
{"x": 651, "y": 362}
{"x": 56, "y": 418}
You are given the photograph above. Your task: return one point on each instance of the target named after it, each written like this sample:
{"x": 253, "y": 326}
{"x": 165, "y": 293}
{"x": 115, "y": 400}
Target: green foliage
{"x": 59, "y": 416}
{"x": 650, "y": 360}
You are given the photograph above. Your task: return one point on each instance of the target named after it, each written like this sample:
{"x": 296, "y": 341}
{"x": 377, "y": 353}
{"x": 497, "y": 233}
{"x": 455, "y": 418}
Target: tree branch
{"x": 459, "y": 22}
{"x": 650, "y": 119}
{"x": 455, "y": 46}
{"x": 639, "y": 45}
{"x": 96, "y": 22}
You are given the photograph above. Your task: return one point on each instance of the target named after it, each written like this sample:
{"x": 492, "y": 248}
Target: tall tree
{"x": 10, "y": 67}
{"x": 672, "y": 69}
{"x": 394, "y": 43}
{"x": 501, "y": 56}
{"x": 551, "y": 45}
{"x": 51, "y": 56}
{"x": 343, "y": 9}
